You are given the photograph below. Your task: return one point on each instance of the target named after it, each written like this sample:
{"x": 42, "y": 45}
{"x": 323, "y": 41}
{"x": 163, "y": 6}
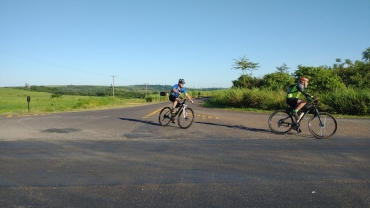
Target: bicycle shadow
{"x": 291, "y": 133}
{"x": 235, "y": 127}
{"x": 140, "y": 121}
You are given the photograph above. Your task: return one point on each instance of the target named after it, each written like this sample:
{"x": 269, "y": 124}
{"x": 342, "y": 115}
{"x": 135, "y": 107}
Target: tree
{"x": 243, "y": 64}
{"x": 349, "y": 62}
{"x": 283, "y": 68}
{"x": 277, "y": 81}
{"x": 321, "y": 79}
{"x": 27, "y": 86}
{"x": 366, "y": 55}
{"x": 356, "y": 75}
{"x": 245, "y": 81}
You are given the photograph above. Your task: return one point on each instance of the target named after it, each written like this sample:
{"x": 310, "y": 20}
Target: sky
{"x": 133, "y": 42}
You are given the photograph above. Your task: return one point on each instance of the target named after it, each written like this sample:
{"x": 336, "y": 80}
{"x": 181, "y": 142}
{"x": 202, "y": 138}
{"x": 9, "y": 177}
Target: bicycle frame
{"x": 316, "y": 113}
{"x": 181, "y": 108}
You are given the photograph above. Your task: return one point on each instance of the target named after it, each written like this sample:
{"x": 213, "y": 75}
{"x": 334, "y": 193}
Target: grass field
{"x": 352, "y": 103}
{"x": 14, "y": 101}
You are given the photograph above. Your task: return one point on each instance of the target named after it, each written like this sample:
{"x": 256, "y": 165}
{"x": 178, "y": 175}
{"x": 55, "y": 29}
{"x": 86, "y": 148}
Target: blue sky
{"x": 85, "y": 42}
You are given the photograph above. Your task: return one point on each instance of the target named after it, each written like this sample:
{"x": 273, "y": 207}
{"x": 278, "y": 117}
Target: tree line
{"x": 340, "y": 75}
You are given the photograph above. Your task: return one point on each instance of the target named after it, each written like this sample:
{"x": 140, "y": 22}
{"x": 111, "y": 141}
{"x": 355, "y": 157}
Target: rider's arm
{"x": 189, "y": 98}
{"x": 175, "y": 90}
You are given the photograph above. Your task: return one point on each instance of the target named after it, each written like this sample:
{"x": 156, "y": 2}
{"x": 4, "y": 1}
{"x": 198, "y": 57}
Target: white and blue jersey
{"x": 175, "y": 94}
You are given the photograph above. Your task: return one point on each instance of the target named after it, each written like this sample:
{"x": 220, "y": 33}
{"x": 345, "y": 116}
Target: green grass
{"x": 14, "y": 101}
{"x": 355, "y": 102}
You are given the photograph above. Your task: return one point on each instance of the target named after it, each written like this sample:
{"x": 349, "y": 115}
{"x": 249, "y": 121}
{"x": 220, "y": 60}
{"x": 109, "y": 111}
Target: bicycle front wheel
{"x": 280, "y": 122}
{"x": 165, "y": 116}
{"x": 324, "y": 129}
{"x": 185, "y": 118}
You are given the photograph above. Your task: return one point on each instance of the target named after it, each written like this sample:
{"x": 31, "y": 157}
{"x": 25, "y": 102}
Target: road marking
{"x": 152, "y": 113}
{"x": 199, "y": 115}
{"x": 206, "y": 116}
{"x": 26, "y": 115}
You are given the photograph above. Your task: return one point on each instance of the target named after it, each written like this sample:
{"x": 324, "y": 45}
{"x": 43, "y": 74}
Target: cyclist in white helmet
{"x": 293, "y": 94}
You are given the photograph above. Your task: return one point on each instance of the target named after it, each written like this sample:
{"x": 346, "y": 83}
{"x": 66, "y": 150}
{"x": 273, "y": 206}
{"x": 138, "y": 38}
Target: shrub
{"x": 149, "y": 99}
{"x": 56, "y": 95}
{"x": 348, "y": 101}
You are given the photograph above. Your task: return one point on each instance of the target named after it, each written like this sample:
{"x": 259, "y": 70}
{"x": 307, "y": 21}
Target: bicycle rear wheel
{"x": 326, "y": 128}
{"x": 165, "y": 116}
{"x": 185, "y": 118}
{"x": 280, "y": 122}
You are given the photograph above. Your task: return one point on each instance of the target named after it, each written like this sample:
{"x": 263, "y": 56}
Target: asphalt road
{"x": 124, "y": 158}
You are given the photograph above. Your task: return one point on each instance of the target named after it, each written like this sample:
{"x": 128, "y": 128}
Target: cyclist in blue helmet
{"x": 176, "y": 91}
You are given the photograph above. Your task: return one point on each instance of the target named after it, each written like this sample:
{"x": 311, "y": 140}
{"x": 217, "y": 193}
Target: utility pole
{"x": 146, "y": 90}
{"x": 113, "y": 84}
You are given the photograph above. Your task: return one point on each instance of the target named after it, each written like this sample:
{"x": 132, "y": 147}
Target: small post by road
{"x": 113, "y": 88}
{"x": 28, "y": 100}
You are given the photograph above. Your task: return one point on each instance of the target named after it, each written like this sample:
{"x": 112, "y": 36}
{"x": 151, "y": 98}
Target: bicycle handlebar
{"x": 183, "y": 100}
{"x": 315, "y": 98}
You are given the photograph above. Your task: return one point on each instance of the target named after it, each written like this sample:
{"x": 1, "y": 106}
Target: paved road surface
{"x": 123, "y": 158}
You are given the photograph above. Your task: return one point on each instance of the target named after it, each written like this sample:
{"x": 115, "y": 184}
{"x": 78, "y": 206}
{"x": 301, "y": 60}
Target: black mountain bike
{"x": 185, "y": 115}
{"x": 321, "y": 124}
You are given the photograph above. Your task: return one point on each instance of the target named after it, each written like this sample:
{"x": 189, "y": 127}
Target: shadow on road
{"x": 235, "y": 127}
{"x": 250, "y": 129}
{"x": 140, "y": 121}
{"x": 61, "y": 131}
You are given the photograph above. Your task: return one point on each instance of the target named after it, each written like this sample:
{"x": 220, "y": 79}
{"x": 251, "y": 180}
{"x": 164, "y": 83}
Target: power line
{"x": 20, "y": 55}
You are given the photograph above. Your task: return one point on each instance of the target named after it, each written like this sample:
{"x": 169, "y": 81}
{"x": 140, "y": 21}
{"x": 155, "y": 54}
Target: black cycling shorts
{"x": 172, "y": 98}
{"x": 292, "y": 102}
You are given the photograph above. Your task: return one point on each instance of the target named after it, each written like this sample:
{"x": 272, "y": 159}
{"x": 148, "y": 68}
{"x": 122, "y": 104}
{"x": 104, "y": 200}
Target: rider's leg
{"x": 175, "y": 103}
{"x": 294, "y": 103}
{"x": 174, "y": 100}
{"x": 300, "y": 104}
{"x": 173, "y": 109}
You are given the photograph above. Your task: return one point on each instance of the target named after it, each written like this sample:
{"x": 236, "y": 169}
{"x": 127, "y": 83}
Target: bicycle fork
{"x": 184, "y": 113}
{"x": 318, "y": 116}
